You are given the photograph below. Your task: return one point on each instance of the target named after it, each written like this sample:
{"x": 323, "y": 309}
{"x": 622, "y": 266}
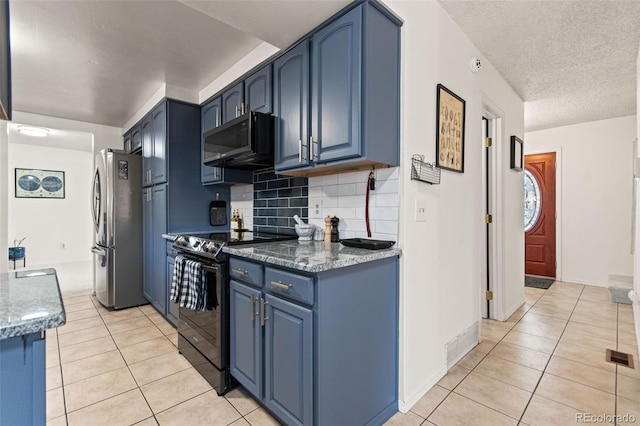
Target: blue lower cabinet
{"x": 304, "y": 350}
{"x": 246, "y": 337}
{"x": 288, "y": 358}
{"x": 23, "y": 388}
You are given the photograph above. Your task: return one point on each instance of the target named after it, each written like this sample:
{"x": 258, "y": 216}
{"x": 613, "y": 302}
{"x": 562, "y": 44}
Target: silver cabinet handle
{"x": 263, "y": 317}
{"x": 253, "y": 311}
{"x": 242, "y": 110}
{"x": 239, "y": 271}
{"x": 236, "y": 111}
{"x": 279, "y": 284}
{"x": 314, "y": 153}
{"x": 300, "y": 151}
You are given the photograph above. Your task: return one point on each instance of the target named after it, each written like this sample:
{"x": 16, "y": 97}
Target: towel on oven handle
{"x": 189, "y": 284}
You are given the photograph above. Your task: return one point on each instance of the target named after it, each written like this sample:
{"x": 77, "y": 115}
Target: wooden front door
{"x": 540, "y": 238}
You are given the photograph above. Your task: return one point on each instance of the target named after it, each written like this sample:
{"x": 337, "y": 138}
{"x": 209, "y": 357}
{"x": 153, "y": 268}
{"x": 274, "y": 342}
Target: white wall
{"x": 596, "y": 184}
{"x": 47, "y": 223}
{"x": 441, "y": 263}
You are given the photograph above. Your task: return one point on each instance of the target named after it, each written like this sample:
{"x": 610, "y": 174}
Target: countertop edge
{"x": 364, "y": 257}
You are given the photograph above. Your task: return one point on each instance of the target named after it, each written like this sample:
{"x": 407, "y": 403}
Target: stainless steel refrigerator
{"x": 116, "y": 205}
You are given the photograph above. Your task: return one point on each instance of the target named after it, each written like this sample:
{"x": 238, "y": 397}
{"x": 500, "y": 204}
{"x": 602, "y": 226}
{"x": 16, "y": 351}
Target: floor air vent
{"x": 620, "y": 358}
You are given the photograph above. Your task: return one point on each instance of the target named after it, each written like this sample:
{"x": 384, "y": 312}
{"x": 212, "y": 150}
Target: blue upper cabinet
{"x": 335, "y": 89}
{"x": 291, "y": 107}
{"x": 136, "y": 139}
{"x": 258, "y": 91}
{"x": 211, "y": 114}
{"x": 211, "y": 118}
{"x": 146, "y": 133}
{"x": 354, "y": 108}
{"x": 159, "y": 161}
{"x": 233, "y": 102}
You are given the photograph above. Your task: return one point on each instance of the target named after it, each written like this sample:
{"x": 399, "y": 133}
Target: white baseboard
{"x": 406, "y": 404}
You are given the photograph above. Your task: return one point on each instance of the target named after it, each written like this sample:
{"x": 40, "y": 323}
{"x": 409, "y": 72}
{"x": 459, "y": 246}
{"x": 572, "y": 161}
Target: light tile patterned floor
{"x": 544, "y": 366}
{"x": 123, "y": 368}
{"x": 541, "y": 367}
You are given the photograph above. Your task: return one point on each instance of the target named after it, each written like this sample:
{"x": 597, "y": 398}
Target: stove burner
{"x": 210, "y": 244}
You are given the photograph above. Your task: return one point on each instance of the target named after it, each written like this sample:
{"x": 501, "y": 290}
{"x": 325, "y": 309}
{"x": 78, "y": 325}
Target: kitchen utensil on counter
{"x": 218, "y": 212}
{"x": 298, "y": 220}
{"x": 305, "y": 231}
{"x": 327, "y": 229}
{"x": 335, "y": 236}
{"x": 367, "y": 243}
{"x": 319, "y": 234}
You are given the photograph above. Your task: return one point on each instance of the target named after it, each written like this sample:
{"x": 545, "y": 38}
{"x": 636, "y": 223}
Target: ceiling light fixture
{"x": 33, "y": 131}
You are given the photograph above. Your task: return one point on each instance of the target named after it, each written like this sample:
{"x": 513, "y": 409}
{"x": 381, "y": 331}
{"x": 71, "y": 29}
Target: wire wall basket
{"x": 424, "y": 172}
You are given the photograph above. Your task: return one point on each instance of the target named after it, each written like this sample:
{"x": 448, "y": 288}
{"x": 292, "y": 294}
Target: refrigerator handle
{"x": 96, "y": 250}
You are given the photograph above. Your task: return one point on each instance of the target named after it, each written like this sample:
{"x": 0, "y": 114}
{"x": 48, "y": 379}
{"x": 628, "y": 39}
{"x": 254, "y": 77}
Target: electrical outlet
{"x": 315, "y": 208}
{"x": 421, "y": 210}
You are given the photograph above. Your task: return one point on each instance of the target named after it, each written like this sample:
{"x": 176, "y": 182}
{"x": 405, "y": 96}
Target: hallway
{"x": 544, "y": 366}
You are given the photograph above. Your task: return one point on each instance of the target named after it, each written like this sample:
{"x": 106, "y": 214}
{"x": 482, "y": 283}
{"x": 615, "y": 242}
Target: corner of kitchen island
{"x": 30, "y": 303}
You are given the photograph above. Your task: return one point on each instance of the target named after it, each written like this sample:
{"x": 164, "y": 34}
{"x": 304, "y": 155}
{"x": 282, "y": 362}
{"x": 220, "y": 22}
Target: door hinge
{"x": 487, "y": 142}
{"x": 489, "y": 295}
{"x": 488, "y": 218}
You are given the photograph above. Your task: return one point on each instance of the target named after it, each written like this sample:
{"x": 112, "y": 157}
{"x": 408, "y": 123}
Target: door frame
{"x": 494, "y": 186}
{"x": 558, "y": 183}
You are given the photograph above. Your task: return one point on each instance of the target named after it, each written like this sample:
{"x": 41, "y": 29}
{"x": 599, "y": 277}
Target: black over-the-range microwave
{"x": 245, "y": 142}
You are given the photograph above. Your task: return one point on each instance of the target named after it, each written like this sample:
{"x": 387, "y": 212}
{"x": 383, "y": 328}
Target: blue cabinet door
{"x": 159, "y": 248}
{"x": 336, "y": 89}
{"x": 159, "y": 161}
{"x": 136, "y": 138}
{"x": 211, "y": 115}
{"x": 22, "y": 384}
{"x": 291, "y": 107}
{"x": 257, "y": 91}
{"x": 147, "y": 245}
{"x": 246, "y": 337}
{"x": 146, "y": 133}
{"x": 233, "y": 102}
{"x": 288, "y": 346}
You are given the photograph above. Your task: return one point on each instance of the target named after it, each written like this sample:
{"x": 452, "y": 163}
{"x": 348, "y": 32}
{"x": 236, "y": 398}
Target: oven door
{"x": 205, "y": 330}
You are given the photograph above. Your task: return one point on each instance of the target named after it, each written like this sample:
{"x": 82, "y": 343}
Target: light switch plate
{"x": 421, "y": 210}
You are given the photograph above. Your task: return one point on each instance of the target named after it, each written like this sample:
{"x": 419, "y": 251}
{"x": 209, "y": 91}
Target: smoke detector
{"x": 475, "y": 64}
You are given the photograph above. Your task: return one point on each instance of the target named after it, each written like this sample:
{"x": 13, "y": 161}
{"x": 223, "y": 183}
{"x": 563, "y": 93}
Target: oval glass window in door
{"x": 532, "y": 200}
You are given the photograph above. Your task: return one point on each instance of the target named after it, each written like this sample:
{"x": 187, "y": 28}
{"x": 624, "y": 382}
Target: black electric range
{"x": 210, "y": 244}
{"x": 203, "y": 336}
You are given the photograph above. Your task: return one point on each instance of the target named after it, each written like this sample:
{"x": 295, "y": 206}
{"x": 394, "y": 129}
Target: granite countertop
{"x": 308, "y": 256}
{"x": 30, "y": 302}
{"x": 171, "y": 237}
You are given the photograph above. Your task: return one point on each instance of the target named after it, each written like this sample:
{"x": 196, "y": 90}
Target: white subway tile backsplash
{"x": 387, "y": 186}
{"x": 386, "y": 227}
{"x": 383, "y": 213}
{"x": 354, "y": 177}
{"x": 385, "y": 200}
{"x": 351, "y": 201}
{"x": 344, "y": 195}
{"x": 323, "y": 180}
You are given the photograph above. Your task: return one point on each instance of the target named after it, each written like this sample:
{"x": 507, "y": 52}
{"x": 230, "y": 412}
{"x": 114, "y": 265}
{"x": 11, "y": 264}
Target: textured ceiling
{"x": 570, "y": 61}
{"x": 99, "y": 61}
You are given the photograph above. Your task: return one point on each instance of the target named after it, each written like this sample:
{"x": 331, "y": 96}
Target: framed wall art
{"x": 517, "y": 155}
{"x": 450, "y": 130}
{"x": 36, "y": 183}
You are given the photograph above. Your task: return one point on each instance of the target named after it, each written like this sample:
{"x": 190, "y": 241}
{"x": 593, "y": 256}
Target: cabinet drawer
{"x": 247, "y": 272}
{"x": 294, "y": 286}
